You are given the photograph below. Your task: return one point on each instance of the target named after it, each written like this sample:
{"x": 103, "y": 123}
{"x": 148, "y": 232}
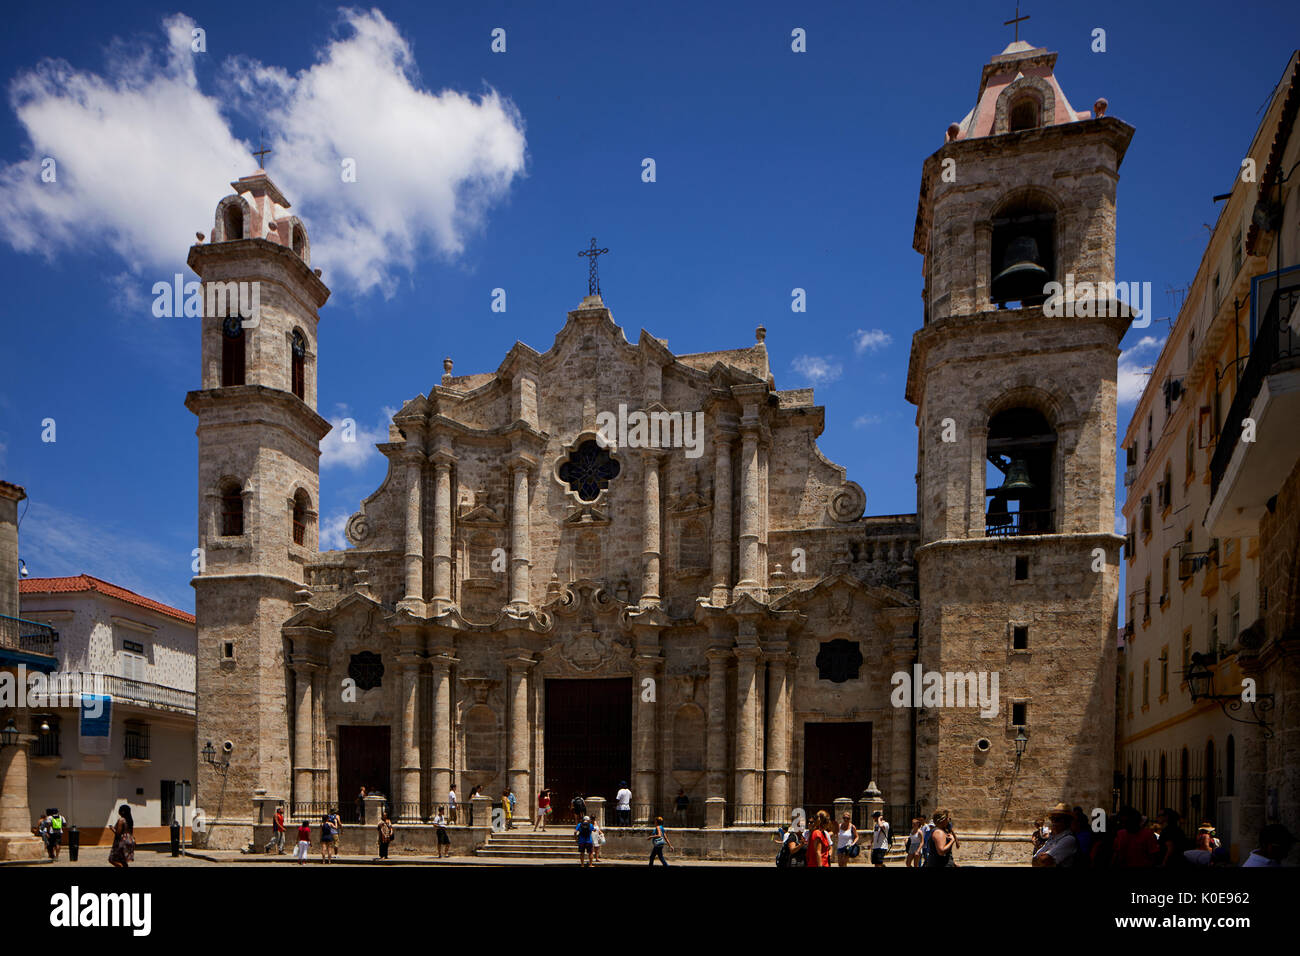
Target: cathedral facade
{"x": 607, "y": 562}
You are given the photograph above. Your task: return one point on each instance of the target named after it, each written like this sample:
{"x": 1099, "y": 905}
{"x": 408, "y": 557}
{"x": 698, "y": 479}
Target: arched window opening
{"x": 1021, "y": 449}
{"x": 1026, "y": 113}
{"x": 232, "y": 510}
{"x": 298, "y": 364}
{"x": 301, "y": 507}
{"x": 1023, "y": 255}
{"x": 299, "y": 242}
{"x": 232, "y": 221}
{"x": 233, "y": 343}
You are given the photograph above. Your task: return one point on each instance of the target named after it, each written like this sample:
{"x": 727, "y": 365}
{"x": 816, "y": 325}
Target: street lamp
{"x": 209, "y": 753}
{"x": 9, "y": 736}
{"x": 1200, "y": 683}
{"x": 1021, "y": 741}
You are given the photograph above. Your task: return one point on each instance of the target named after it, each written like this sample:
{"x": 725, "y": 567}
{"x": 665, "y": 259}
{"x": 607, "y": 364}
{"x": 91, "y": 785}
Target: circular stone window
{"x": 983, "y": 745}
{"x": 367, "y": 670}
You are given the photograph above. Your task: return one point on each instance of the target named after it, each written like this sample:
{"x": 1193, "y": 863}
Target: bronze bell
{"x": 1017, "y": 482}
{"x": 1022, "y": 277}
{"x": 998, "y": 516}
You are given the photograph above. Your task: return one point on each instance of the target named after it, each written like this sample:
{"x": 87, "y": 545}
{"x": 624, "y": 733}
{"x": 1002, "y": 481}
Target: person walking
{"x": 623, "y": 805}
{"x": 914, "y": 843}
{"x": 123, "y": 852}
{"x": 846, "y": 841}
{"x": 277, "y": 833}
{"x": 42, "y": 830}
{"x": 440, "y": 827}
{"x": 57, "y": 827}
{"x": 451, "y": 804}
{"x": 819, "y": 842}
{"x": 597, "y": 839}
{"x": 304, "y": 842}
{"x": 659, "y": 840}
{"x": 584, "y": 832}
{"x": 882, "y": 838}
{"x": 942, "y": 841}
{"x": 328, "y": 834}
{"x": 791, "y": 843}
{"x": 543, "y": 808}
{"x": 385, "y": 835}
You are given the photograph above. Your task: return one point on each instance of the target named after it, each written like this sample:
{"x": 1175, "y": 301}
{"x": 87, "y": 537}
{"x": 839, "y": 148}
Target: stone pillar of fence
{"x": 715, "y": 813}
{"x": 482, "y": 811}
{"x": 871, "y": 801}
{"x": 842, "y": 805}
{"x": 374, "y": 806}
{"x": 596, "y": 810}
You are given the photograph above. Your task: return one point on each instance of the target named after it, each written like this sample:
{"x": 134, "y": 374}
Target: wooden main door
{"x": 588, "y": 739}
{"x": 363, "y": 762}
{"x": 836, "y": 762}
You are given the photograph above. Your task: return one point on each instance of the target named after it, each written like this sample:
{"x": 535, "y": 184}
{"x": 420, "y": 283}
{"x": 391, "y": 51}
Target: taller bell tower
{"x": 1018, "y": 568}
{"x": 259, "y": 448}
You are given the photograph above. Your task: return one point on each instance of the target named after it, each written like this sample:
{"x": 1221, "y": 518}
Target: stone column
{"x": 16, "y": 839}
{"x": 414, "y": 557}
{"x": 408, "y": 803}
{"x": 748, "y": 794}
{"x": 645, "y": 737}
{"x": 749, "y": 510}
{"x": 721, "y": 594}
{"x": 780, "y": 733}
{"x": 651, "y": 546}
{"x": 441, "y": 725}
{"x": 520, "y": 559}
{"x": 520, "y": 753}
{"x": 304, "y": 733}
{"x": 442, "y": 534}
{"x": 716, "y": 744}
{"x": 322, "y": 791}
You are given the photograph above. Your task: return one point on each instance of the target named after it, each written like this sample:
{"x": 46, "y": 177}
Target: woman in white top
{"x": 440, "y": 827}
{"x": 597, "y": 838}
{"x": 845, "y": 840}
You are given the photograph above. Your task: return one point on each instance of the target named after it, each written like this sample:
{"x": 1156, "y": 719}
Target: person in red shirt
{"x": 304, "y": 842}
{"x": 819, "y": 841}
{"x": 277, "y": 837}
{"x": 1135, "y": 844}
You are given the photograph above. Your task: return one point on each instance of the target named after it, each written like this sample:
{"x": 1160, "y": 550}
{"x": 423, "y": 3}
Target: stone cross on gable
{"x": 593, "y": 278}
{"x": 1017, "y": 21}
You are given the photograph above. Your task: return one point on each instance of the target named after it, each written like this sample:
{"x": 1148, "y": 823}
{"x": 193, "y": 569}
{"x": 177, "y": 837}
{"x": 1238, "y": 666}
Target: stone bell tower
{"x": 259, "y": 448}
{"x": 1018, "y": 566}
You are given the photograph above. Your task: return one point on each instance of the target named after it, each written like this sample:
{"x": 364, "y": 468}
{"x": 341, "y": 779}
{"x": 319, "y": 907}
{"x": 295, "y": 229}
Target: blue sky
{"x": 481, "y": 170}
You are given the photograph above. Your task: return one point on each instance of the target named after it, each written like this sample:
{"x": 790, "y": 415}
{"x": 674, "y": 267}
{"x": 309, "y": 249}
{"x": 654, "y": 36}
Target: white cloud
{"x": 862, "y": 421}
{"x": 1132, "y": 374}
{"x": 816, "y": 369}
{"x": 870, "y": 339}
{"x": 57, "y": 543}
{"x": 335, "y": 451}
{"x": 332, "y": 537}
{"x": 143, "y": 154}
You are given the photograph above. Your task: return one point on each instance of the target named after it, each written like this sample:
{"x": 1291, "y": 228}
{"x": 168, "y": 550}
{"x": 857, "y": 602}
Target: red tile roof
{"x": 84, "y": 582}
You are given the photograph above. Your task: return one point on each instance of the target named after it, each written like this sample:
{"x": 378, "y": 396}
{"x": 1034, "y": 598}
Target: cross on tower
{"x": 261, "y": 154}
{"x": 593, "y": 280}
{"x": 1016, "y": 21}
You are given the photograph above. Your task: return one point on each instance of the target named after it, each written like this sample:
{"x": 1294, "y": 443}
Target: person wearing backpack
{"x": 57, "y": 826}
{"x": 942, "y": 841}
{"x": 882, "y": 838}
{"x": 579, "y": 807}
{"x": 585, "y": 833}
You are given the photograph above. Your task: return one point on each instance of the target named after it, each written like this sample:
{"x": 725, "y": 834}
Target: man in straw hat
{"x": 1060, "y": 847}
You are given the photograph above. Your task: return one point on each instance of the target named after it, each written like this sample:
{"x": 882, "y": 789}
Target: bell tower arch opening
{"x": 1024, "y": 255}
{"x": 1021, "y": 450}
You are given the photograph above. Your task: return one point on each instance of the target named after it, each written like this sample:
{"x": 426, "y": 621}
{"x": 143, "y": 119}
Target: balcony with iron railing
{"x": 27, "y": 642}
{"x": 1008, "y": 524}
{"x": 126, "y": 690}
{"x": 1252, "y": 458}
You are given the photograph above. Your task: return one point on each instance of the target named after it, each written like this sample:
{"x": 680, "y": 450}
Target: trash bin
{"x": 74, "y": 843}
{"x": 176, "y": 838}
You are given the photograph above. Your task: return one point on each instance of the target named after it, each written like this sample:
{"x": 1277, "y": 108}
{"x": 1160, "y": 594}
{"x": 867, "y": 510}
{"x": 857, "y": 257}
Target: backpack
{"x": 584, "y": 831}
